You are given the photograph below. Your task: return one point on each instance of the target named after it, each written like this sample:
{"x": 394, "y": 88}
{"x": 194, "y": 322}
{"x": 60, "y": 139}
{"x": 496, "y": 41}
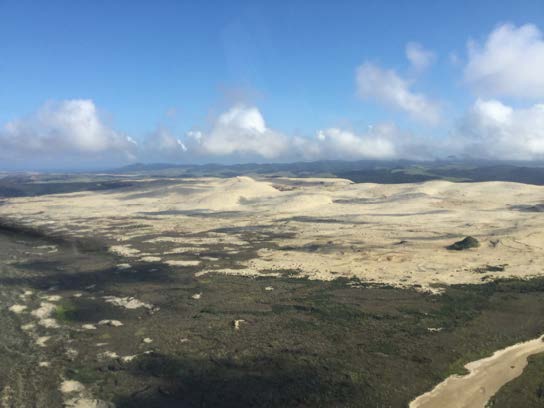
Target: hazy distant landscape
{"x": 394, "y": 172}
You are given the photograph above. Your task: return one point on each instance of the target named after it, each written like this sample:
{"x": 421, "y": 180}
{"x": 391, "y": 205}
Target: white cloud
{"x": 240, "y": 131}
{"x": 377, "y": 143}
{"x": 61, "y": 128}
{"x": 492, "y": 129}
{"x": 387, "y": 87}
{"x": 69, "y": 130}
{"x": 419, "y": 57}
{"x": 162, "y": 141}
{"x": 510, "y": 63}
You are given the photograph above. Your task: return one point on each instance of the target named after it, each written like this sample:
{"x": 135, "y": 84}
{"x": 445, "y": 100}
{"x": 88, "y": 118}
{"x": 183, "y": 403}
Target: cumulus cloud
{"x": 492, "y": 129}
{"x": 387, "y": 87}
{"x": 509, "y": 63}
{"x": 73, "y": 129}
{"x": 377, "y": 143}
{"x": 240, "y": 131}
{"x": 419, "y": 57}
{"x": 59, "y": 128}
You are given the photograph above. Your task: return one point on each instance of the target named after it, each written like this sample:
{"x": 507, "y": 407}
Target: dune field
{"x": 316, "y": 228}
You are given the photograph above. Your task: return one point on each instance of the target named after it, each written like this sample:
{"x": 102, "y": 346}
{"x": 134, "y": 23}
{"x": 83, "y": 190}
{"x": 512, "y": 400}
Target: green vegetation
{"x": 303, "y": 343}
{"x": 527, "y": 390}
{"x": 465, "y": 243}
{"x": 309, "y": 343}
{"x": 85, "y": 375}
{"x": 65, "y": 312}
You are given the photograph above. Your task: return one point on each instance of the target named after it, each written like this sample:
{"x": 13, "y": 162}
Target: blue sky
{"x": 179, "y": 65}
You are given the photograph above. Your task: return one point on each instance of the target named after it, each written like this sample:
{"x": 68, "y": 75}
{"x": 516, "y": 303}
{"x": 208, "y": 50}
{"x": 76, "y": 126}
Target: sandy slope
{"x": 394, "y": 234}
{"x": 485, "y": 378}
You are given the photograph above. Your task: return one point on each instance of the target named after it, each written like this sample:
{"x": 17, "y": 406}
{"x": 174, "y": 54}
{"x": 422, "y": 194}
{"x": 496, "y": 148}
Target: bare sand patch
{"x": 87, "y": 403}
{"x": 181, "y": 263}
{"x": 69, "y": 386}
{"x": 44, "y": 310}
{"x": 150, "y": 259}
{"x": 43, "y": 314}
{"x": 124, "y": 250}
{"x": 41, "y": 341}
{"x": 485, "y": 378}
{"x": 321, "y": 229}
{"x": 107, "y": 355}
{"x": 108, "y": 322}
{"x": 17, "y": 309}
{"x": 127, "y": 302}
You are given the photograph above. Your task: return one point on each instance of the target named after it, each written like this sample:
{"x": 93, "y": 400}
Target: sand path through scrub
{"x": 486, "y": 377}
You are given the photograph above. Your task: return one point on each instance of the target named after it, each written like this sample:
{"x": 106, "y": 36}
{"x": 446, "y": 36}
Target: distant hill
{"x": 385, "y": 172}
{"x": 360, "y": 171}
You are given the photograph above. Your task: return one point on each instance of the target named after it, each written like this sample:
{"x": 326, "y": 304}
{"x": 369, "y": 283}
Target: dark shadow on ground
{"x": 229, "y": 382}
{"x": 528, "y": 208}
{"x": 98, "y": 278}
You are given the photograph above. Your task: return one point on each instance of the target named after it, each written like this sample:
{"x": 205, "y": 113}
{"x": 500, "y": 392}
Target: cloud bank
{"x": 489, "y": 129}
{"x": 508, "y": 64}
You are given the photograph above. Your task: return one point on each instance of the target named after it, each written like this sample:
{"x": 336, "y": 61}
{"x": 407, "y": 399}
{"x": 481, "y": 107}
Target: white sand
{"x": 107, "y": 355}
{"x": 49, "y": 323}
{"x": 45, "y": 310}
{"x": 150, "y": 259}
{"x": 107, "y": 322}
{"x": 124, "y": 250}
{"x": 182, "y": 263}
{"x": 28, "y": 326}
{"x": 17, "y": 309}
{"x": 52, "y": 298}
{"x": 123, "y": 266}
{"x": 43, "y": 314}
{"x": 68, "y": 386}
{"x": 237, "y": 323}
{"x": 40, "y": 341}
{"x": 392, "y": 234}
{"x": 485, "y": 378}
{"x": 87, "y": 403}
{"x": 127, "y": 302}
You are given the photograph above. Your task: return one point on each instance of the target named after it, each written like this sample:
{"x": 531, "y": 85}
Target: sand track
{"x": 485, "y": 378}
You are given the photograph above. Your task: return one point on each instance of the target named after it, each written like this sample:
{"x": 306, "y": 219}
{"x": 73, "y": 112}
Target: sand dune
{"x": 485, "y": 378}
{"x": 319, "y": 228}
